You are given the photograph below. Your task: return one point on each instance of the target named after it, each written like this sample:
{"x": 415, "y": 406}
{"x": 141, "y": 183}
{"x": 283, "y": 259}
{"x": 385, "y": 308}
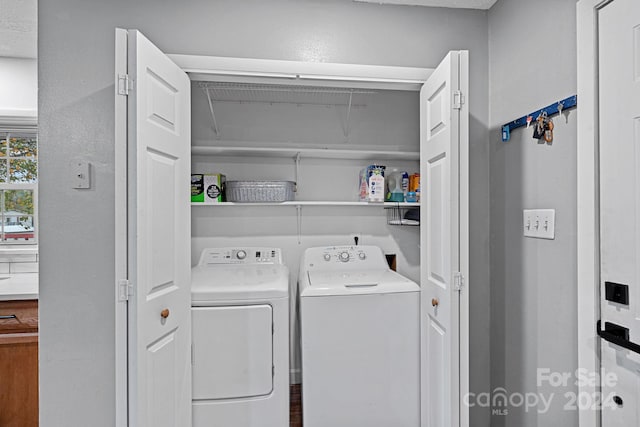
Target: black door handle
{"x": 618, "y": 335}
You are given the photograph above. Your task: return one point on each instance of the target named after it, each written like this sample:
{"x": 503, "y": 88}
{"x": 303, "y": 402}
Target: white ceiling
{"x": 19, "y": 28}
{"x": 458, "y": 4}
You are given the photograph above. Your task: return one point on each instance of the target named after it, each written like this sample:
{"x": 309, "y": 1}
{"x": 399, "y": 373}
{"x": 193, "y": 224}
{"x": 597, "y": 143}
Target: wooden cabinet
{"x": 19, "y": 363}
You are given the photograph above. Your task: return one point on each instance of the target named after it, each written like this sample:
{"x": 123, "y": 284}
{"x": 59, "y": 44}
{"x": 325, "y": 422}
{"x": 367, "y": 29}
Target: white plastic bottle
{"x": 376, "y": 187}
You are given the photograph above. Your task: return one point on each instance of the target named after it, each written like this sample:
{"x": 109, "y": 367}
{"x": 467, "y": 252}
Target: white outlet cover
{"x": 80, "y": 174}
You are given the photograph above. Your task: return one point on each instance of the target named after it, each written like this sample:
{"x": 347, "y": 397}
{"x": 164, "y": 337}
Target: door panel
{"x": 436, "y": 224}
{"x": 437, "y": 108}
{"x": 619, "y": 157}
{"x": 159, "y": 156}
{"x": 443, "y": 237}
{"x": 161, "y": 358}
{"x": 435, "y": 357}
{"x": 161, "y": 106}
{"x": 160, "y": 196}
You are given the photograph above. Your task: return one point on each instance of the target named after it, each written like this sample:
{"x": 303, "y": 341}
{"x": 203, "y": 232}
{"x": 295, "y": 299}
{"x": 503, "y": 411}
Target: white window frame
{"x": 21, "y": 125}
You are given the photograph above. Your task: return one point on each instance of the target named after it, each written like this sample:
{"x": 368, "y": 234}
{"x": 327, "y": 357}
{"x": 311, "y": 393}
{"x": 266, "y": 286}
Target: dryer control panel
{"x": 345, "y": 257}
{"x": 240, "y": 255}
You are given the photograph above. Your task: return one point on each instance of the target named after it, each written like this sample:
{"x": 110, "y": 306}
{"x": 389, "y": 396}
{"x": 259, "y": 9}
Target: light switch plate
{"x": 528, "y": 219}
{"x": 547, "y": 225}
{"x": 539, "y": 223}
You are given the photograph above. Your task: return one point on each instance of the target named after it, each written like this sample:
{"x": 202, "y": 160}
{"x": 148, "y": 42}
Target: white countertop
{"x": 18, "y": 286}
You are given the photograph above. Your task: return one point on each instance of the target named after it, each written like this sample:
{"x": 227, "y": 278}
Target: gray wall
{"x": 76, "y": 104}
{"x": 532, "y": 63}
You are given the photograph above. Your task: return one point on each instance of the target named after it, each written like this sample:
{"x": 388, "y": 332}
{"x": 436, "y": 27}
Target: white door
{"x": 444, "y": 242}
{"x": 159, "y": 233}
{"x": 619, "y": 153}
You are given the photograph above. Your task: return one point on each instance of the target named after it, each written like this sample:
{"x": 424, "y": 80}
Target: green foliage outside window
{"x": 18, "y": 165}
{"x": 19, "y": 154}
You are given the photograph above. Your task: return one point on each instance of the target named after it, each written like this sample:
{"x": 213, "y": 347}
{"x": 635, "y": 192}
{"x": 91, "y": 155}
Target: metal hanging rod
{"x": 556, "y": 108}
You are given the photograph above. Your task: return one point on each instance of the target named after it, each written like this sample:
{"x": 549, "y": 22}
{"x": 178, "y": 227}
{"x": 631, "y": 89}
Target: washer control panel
{"x": 240, "y": 255}
{"x": 336, "y": 257}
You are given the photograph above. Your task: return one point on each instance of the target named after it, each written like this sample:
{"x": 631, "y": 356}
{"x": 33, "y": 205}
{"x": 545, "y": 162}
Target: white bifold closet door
{"x": 159, "y": 237}
{"x": 444, "y": 242}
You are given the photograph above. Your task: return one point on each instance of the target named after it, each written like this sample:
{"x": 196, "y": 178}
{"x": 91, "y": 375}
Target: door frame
{"x": 271, "y": 71}
{"x": 588, "y": 221}
{"x": 121, "y": 233}
{"x": 464, "y": 197}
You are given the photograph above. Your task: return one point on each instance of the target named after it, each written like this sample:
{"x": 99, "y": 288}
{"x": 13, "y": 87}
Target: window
{"x": 18, "y": 186}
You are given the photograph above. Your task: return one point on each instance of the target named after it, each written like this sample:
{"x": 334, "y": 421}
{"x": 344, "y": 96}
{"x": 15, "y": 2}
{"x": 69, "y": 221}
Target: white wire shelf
{"x": 285, "y": 94}
{"x": 409, "y": 222}
{"x": 320, "y": 153}
{"x": 313, "y": 203}
{"x": 397, "y": 214}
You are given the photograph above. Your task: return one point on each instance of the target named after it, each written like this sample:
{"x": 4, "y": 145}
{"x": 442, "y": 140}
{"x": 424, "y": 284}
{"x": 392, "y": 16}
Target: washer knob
{"x": 327, "y": 257}
{"x": 344, "y": 256}
{"x": 362, "y": 255}
{"x": 241, "y": 254}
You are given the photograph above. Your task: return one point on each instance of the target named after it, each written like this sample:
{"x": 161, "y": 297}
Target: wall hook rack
{"x": 555, "y": 108}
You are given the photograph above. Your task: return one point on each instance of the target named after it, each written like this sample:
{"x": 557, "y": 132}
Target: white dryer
{"x": 240, "y": 338}
{"x": 360, "y": 338}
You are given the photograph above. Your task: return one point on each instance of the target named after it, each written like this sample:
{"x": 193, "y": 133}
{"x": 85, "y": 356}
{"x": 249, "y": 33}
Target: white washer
{"x": 360, "y": 326}
{"x": 240, "y": 321}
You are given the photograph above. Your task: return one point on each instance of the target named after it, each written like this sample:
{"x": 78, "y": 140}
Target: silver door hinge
{"x": 125, "y": 290}
{"x": 458, "y": 281}
{"x": 125, "y": 84}
{"x": 458, "y": 100}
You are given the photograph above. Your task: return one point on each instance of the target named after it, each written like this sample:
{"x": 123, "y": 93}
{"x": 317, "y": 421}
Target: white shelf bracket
{"x": 346, "y": 129}
{"x": 213, "y": 114}
{"x": 296, "y": 171}
{"x": 299, "y": 218}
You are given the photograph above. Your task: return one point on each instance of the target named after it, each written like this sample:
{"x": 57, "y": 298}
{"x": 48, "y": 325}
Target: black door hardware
{"x": 616, "y": 292}
{"x": 618, "y": 335}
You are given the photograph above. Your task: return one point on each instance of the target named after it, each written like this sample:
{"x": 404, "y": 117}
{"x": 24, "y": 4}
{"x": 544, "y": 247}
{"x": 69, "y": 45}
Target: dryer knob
{"x": 241, "y": 254}
{"x": 344, "y": 256}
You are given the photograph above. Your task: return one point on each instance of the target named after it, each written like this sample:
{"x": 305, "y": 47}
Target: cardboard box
{"x": 207, "y": 188}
